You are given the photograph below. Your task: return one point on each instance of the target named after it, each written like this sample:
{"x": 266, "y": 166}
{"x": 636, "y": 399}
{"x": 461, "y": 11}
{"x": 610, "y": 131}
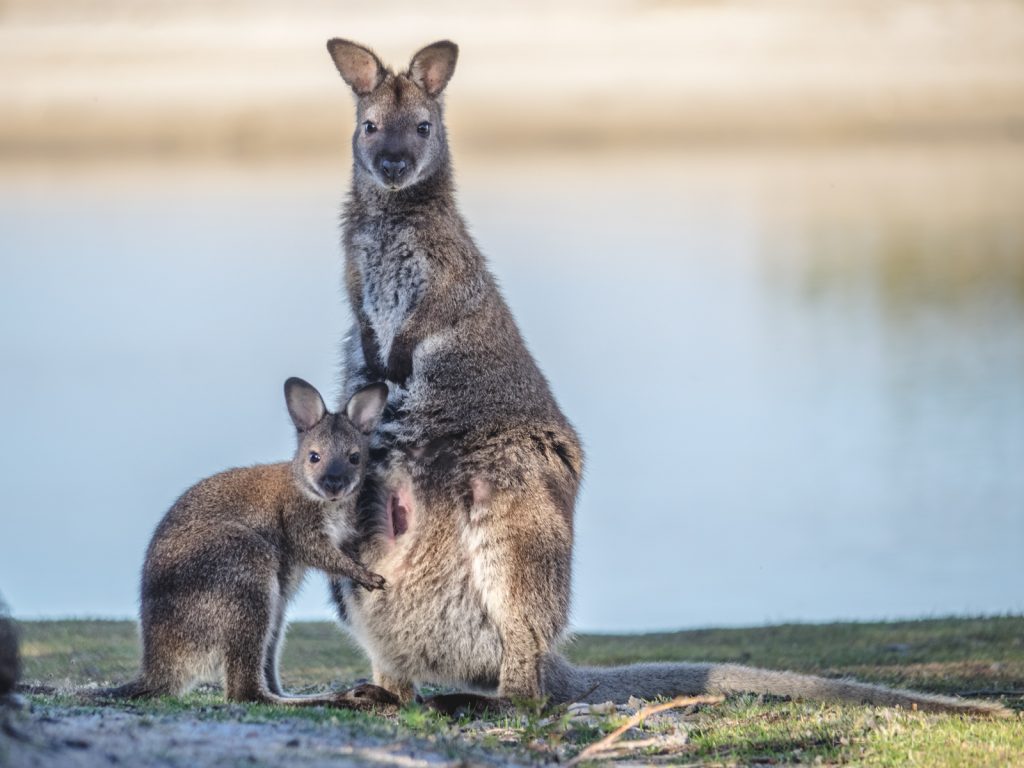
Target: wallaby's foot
{"x": 367, "y": 696}
{"x": 519, "y": 678}
{"x": 456, "y": 704}
{"x": 403, "y": 689}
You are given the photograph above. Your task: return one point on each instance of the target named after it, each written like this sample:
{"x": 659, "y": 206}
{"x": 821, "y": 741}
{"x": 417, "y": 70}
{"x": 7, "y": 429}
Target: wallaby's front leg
{"x": 342, "y": 564}
{"x": 321, "y": 553}
{"x": 371, "y": 351}
{"x": 433, "y": 313}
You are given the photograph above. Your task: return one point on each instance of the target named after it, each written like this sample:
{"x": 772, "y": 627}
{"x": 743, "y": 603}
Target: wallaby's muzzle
{"x": 336, "y": 480}
{"x": 392, "y": 167}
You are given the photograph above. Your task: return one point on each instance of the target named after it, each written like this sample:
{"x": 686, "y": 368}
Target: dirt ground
{"x": 40, "y": 735}
{"x": 57, "y": 736}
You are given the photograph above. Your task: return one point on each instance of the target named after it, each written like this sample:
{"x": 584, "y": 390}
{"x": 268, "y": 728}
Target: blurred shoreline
{"x": 116, "y": 78}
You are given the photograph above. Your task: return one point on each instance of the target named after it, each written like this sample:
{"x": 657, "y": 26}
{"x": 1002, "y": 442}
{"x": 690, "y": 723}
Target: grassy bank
{"x": 970, "y": 657}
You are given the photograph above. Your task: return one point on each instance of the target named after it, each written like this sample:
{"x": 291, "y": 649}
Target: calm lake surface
{"x": 799, "y": 375}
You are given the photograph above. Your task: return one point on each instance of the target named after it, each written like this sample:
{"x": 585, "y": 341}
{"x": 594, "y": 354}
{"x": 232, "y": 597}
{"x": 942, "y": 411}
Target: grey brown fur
{"x": 468, "y": 510}
{"x": 227, "y": 557}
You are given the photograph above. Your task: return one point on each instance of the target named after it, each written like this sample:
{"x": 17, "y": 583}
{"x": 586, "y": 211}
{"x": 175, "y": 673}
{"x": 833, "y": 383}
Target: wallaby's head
{"x": 400, "y": 137}
{"x": 331, "y": 458}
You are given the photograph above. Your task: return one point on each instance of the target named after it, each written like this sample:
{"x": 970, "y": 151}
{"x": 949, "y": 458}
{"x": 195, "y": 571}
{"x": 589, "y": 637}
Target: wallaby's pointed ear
{"x": 359, "y": 66}
{"x": 433, "y": 67}
{"x": 366, "y": 406}
{"x": 305, "y": 405}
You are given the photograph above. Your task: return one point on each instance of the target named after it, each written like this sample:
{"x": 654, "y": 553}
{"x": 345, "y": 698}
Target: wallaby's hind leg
{"x": 521, "y": 545}
{"x": 244, "y": 671}
{"x": 164, "y": 673}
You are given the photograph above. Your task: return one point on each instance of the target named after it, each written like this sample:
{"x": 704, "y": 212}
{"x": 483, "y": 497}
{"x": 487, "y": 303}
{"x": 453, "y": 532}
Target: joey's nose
{"x": 393, "y": 169}
{"x": 333, "y": 483}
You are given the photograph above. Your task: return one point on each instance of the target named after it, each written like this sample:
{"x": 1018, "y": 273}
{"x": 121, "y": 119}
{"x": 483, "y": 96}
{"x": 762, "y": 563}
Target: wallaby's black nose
{"x": 333, "y": 483}
{"x": 393, "y": 170}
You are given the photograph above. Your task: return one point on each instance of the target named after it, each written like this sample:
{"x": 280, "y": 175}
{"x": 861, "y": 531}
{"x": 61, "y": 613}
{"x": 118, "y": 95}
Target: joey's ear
{"x": 359, "y": 66}
{"x": 305, "y": 405}
{"x": 432, "y": 67}
{"x": 366, "y": 406}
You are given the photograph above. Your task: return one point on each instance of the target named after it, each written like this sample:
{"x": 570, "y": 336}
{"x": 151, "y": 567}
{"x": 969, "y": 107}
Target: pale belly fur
{"x": 430, "y": 624}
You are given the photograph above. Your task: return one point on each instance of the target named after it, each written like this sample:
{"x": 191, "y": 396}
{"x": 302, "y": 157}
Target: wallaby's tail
{"x": 564, "y": 682}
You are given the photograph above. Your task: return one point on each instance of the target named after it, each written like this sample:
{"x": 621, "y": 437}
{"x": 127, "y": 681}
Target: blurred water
{"x": 799, "y": 375}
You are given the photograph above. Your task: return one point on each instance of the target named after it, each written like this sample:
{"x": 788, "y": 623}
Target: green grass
{"x": 961, "y": 656}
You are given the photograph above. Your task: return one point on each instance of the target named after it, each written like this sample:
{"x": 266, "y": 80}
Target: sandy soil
{"x": 48, "y": 737}
{"x": 41, "y": 736}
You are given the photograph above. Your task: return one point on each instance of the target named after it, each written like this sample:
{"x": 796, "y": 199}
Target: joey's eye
{"x": 423, "y": 129}
{"x": 353, "y": 458}
{"x": 370, "y": 127}
{"x": 314, "y": 457}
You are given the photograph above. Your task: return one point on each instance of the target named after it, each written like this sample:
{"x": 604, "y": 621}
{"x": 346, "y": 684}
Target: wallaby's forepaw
{"x": 399, "y": 363}
{"x": 456, "y": 704}
{"x": 370, "y": 581}
{"x": 367, "y": 696}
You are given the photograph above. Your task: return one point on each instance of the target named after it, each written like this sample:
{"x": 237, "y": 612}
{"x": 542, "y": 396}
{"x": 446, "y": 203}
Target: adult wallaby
{"x": 230, "y": 553}
{"x": 468, "y": 510}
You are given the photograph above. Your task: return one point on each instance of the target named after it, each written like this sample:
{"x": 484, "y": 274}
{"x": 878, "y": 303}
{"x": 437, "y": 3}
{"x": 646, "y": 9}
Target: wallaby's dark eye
{"x": 314, "y": 457}
{"x": 353, "y": 458}
{"x": 423, "y": 129}
{"x": 370, "y": 127}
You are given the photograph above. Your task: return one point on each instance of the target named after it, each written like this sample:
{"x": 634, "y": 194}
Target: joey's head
{"x": 330, "y": 461}
{"x": 400, "y": 137}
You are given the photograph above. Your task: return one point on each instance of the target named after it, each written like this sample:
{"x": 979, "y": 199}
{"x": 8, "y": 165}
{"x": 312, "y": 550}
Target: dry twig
{"x": 608, "y": 743}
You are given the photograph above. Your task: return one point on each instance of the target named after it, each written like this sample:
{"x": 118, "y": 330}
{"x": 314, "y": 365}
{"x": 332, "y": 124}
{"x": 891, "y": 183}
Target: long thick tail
{"x": 564, "y": 682}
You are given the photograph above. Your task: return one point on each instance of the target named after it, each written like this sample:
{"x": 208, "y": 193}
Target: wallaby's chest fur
{"x": 394, "y": 271}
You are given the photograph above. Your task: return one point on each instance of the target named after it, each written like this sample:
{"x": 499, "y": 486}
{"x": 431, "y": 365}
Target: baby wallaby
{"x": 228, "y": 556}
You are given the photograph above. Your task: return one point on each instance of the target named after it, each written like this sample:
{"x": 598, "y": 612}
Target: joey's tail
{"x": 565, "y": 682}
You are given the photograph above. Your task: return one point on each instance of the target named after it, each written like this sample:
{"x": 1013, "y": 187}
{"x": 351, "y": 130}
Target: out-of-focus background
{"x": 769, "y": 252}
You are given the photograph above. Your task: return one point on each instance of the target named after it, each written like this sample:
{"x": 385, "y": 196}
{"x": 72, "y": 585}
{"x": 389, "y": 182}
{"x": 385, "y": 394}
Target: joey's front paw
{"x": 370, "y": 581}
